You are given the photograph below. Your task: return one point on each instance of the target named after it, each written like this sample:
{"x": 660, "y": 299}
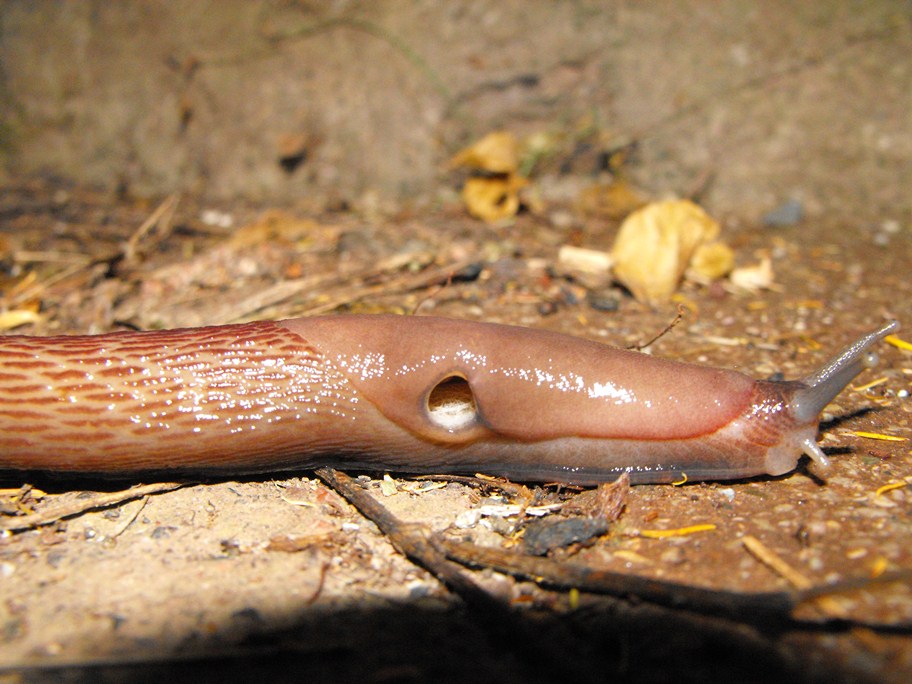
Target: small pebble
{"x": 55, "y": 558}
{"x": 786, "y": 214}
{"x": 418, "y": 589}
{"x": 811, "y": 532}
{"x": 213, "y": 217}
{"x": 547, "y": 308}
{"x": 468, "y": 519}
{"x": 601, "y": 301}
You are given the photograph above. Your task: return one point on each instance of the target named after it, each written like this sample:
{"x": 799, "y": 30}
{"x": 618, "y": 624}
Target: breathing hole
{"x": 451, "y": 404}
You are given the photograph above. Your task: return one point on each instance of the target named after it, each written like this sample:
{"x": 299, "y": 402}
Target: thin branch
{"x": 667, "y": 329}
{"x": 506, "y": 626}
{"x": 69, "y": 509}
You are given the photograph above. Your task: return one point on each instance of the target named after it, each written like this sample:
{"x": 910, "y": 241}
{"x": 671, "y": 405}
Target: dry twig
{"x": 72, "y": 508}
{"x": 162, "y": 218}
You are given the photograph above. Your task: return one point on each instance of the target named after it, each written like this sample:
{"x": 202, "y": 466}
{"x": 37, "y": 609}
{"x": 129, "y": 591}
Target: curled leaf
{"x": 655, "y": 246}
{"x": 492, "y": 193}
{"x": 492, "y": 198}
{"x": 710, "y": 262}
{"x": 16, "y": 317}
{"x": 497, "y": 152}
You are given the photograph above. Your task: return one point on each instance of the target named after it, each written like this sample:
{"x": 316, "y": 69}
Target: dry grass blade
{"x": 391, "y": 284}
{"x": 162, "y": 219}
{"x": 37, "y": 290}
{"x": 771, "y": 560}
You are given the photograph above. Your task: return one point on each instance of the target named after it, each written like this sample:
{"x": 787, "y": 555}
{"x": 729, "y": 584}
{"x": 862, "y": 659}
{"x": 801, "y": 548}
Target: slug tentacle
{"x": 822, "y": 386}
{"x": 810, "y": 447}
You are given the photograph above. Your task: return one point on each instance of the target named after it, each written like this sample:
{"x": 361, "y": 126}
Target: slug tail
{"x": 821, "y": 387}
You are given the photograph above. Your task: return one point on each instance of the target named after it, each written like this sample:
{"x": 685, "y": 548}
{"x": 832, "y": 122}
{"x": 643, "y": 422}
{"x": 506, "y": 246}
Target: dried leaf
{"x": 898, "y": 342}
{"x": 298, "y": 496}
{"x": 497, "y": 152}
{"x": 710, "y": 262}
{"x": 677, "y": 532}
{"x": 655, "y": 245}
{"x": 606, "y": 502}
{"x": 492, "y": 199}
{"x": 16, "y": 317}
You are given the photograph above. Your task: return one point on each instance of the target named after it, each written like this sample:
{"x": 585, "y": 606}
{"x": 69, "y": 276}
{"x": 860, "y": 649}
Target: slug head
{"x": 818, "y": 389}
{"x": 460, "y": 383}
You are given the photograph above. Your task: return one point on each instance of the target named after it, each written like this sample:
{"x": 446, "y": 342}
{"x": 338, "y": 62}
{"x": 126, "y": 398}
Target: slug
{"x": 406, "y": 393}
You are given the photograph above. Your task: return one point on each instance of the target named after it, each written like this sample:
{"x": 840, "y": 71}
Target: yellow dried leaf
{"x": 16, "y": 317}
{"x": 492, "y": 199}
{"x": 677, "y": 532}
{"x": 882, "y": 380}
{"x": 655, "y": 244}
{"x": 632, "y": 557}
{"x": 497, "y": 152}
{"x": 880, "y": 436}
{"x": 898, "y": 342}
{"x": 889, "y": 487}
{"x": 710, "y": 262}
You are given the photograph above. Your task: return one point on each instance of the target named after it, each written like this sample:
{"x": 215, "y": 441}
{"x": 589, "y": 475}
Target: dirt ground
{"x": 166, "y": 165}
{"x": 281, "y": 578}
